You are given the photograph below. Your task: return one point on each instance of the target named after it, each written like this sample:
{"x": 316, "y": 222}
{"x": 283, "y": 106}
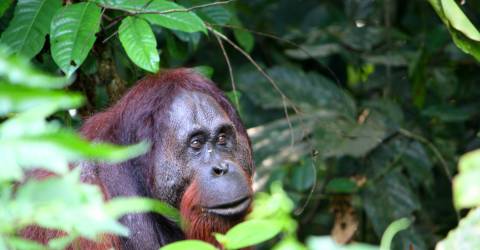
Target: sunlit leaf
{"x": 72, "y": 34}
{"x": 466, "y": 188}
{"x": 249, "y": 233}
{"x": 175, "y": 16}
{"x": 120, "y": 206}
{"x": 17, "y": 70}
{"x": 465, "y": 236}
{"x": 55, "y": 150}
{"x": 27, "y": 30}
{"x": 20, "y": 98}
{"x": 139, "y": 42}
{"x": 188, "y": 244}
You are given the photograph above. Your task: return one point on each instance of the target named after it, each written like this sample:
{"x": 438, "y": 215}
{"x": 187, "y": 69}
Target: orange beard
{"x": 199, "y": 224}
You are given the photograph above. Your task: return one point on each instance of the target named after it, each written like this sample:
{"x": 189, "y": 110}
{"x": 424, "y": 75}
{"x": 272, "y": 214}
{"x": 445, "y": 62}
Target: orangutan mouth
{"x": 231, "y": 208}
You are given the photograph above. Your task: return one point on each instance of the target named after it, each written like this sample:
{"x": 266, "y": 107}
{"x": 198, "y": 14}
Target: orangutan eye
{"x": 196, "y": 143}
{"x": 222, "y": 139}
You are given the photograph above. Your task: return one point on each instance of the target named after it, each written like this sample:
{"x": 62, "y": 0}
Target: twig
{"x": 275, "y": 37}
{"x": 230, "y": 71}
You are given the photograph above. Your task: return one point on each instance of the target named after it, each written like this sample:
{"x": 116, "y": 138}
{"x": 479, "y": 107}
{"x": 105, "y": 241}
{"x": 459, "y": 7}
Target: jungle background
{"x": 359, "y": 112}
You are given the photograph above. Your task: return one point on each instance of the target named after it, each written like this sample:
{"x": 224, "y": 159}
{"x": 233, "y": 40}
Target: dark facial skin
{"x": 204, "y": 146}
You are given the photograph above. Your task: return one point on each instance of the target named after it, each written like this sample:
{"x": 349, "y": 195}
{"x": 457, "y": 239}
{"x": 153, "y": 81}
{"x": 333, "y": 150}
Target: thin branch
{"x": 230, "y": 71}
{"x": 275, "y": 37}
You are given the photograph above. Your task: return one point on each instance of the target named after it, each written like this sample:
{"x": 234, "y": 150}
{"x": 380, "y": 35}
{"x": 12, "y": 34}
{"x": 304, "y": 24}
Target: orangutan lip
{"x": 231, "y": 208}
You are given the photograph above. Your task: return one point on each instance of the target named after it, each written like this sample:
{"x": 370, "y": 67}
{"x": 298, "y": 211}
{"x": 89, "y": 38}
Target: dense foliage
{"x": 360, "y": 109}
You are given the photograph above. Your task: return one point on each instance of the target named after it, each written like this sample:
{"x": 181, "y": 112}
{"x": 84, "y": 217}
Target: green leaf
{"x": 465, "y": 236}
{"x": 392, "y": 229}
{"x": 27, "y": 30}
{"x": 463, "y": 33}
{"x": 243, "y": 37}
{"x": 121, "y": 206}
{"x": 4, "y": 5}
{"x": 72, "y": 35}
{"x": 188, "y": 244}
{"x": 341, "y": 185}
{"x": 248, "y": 233}
{"x": 55, "y": 149}
{"x": 466, "y": 189}
{"x": 20, "y": 98}
{"x": 178, "y": 19}
{"x": 64, "y": 203}
{"x": 17, "y": 70}
{"x": 326, "y": 242}
{"x": 458, "y": 20}
{"x": 204, "y": 70}
{"x": 303, "y": 175}
{"x": 139, "y": 42}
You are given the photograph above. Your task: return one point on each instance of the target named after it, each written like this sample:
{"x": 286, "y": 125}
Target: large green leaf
{"x": 27, "y": 30}
{"x": 73, "y": 34}
{"x": 179, "y": 19}
{"x": 139, "y": 42}
{"x": 63, "y": 203}
{"x": 55, "y": 149}
{"x": 20, "y": 98}
{"x": 248, "y": 233}
{"x": 17, "y": 70}
{"x": 189, "y": 244}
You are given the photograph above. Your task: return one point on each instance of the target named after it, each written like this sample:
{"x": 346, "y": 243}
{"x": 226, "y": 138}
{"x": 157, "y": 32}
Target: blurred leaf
{"x": 341, "y": 185}
{"x": 303, "y": 175}
{"x": 392, "y": 229}
{"x": 244, "y": 38}
{"x": 20, "y": 98}
{"x": 466, "y": 188}
{"x": 54, "y": 150}
{"x": 139, "y": 42}
{"x": 447, "y": 113}
{"x": 204, "y": 70}
{"x": 188, "y": 244}
{"x": 121, "y": 206}
{"x": 465, "y": 236}
{"x": 27, "y": 30}
{"x": 179, "y": 19}
{"x": 72, "y": 35}
{"x": 320, "y": 50}
{"x": 19, "y": 243}
{"x": 327, "y": 243}
{"x": 4, "y": 5}
{"x": 248, "y": 233}
{"x": 17, "y": 70}
{"x": 63, "y": 203}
